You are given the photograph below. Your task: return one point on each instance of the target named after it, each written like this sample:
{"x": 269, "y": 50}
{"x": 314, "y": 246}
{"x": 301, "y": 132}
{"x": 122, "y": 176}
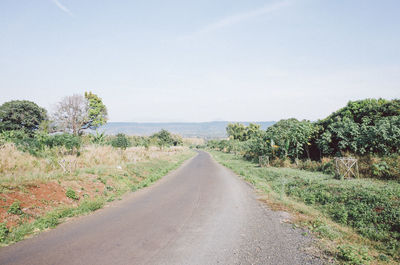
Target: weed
{"x": 15, "y": 208}
{"x": 70, "y": 193}
{"x": 3, "y": 231}
{"x": 353, "y": 255}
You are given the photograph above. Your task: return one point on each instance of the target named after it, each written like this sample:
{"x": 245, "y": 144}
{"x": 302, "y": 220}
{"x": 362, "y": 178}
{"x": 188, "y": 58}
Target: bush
{"x": 69, "y": 141}
{"x": 70, "y": 193}
{"x": 15, "y": 208}
{"x": 37, "y": 143}
{"x": 120, "y": 141}
{"x": 165, "y": 138}
{"x": 3, "y": 231}
{"x": 372, "y": 209}
{"x": 352, "y": 255}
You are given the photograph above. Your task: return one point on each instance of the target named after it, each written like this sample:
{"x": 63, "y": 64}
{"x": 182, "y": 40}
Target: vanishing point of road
{"x": 201, "y": 213}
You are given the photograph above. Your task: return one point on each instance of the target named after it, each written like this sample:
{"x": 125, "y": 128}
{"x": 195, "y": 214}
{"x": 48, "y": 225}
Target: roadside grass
{"x": 128, "y": 175}
{"x": 357, "y": 221}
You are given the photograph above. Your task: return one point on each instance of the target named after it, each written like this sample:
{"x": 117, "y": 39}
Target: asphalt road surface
{"x": 200, "y": 214}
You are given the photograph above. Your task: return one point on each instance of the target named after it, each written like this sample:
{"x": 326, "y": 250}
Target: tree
{"x": 76, "y": 113}
{"x": 71, "y": 114}
{"x": 164, "y": 138}
{"x": 238, "y": 131}
{"x": 120, "y": 141}
{"x": 21, "y": 115}
{"x": 361, "y": 127}
{"x": 291, "y": 137}
{"x": 97, "y": 111}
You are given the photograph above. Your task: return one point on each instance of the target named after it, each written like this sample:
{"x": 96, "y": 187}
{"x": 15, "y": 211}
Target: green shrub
{"x": 98, "y": 138}
{"x": 164, "y": 139}
{"x": 120, "y": 141}
{"x": 69, "y": 141}
{"x": 70, "y": 193}
{"x": 371, "y": 207}
{"x": 37, "y": 143}
{"x": 3, "y": 232}
{"x": 15, "y": 208}
{"x": 352, "y": 255}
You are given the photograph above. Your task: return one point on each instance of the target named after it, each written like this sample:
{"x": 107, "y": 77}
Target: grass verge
{"x": 357, "y": 220}
{"x": 116, "y": 182}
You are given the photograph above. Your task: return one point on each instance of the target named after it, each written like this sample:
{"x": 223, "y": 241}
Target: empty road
{"x": 200, "y": 214}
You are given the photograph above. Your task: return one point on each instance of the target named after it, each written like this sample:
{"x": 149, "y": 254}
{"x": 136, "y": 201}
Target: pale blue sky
{"x": 201, "y": 60}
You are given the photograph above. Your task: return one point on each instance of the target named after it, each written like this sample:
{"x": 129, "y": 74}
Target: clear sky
{"x": 157, "y": 60}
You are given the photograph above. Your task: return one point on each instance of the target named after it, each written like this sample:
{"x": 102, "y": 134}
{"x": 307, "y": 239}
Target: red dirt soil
{"x": 37, "y": 199}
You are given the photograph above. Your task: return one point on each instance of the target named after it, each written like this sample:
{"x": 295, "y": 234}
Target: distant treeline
{"x": 207, "y": 130}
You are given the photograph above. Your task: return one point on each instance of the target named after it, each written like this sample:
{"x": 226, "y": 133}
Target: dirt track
{"x": 200, "y": 214}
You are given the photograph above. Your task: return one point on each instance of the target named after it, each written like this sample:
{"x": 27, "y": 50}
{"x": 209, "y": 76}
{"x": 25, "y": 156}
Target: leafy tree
{"x": 238, "y": 131}
{"x": 291, "y": 137}
{"x": 96, "y": 113}
{"x": 361, "y": 127}
{"x": 253, "y": 130}
{"x": 164, "y": 138}
{"x": 21, "y": 115}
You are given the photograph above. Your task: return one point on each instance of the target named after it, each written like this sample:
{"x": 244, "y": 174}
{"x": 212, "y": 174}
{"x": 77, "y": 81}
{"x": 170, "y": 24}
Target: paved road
{"x": 199, "y": 214}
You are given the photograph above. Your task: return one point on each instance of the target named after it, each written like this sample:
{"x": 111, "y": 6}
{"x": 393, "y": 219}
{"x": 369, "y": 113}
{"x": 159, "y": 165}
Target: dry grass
{"x": 17, "y": 166}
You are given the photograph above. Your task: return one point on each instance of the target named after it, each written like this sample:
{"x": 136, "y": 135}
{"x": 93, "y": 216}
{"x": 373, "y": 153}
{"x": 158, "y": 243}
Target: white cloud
{"x": 62, "y": 7}
{"x": 236, "y": 19}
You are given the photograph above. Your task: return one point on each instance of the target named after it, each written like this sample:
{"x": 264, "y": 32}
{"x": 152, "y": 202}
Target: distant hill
{"x": 214, "y": 129}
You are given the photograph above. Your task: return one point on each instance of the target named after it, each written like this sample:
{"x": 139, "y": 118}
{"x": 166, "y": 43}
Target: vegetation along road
{"x": 200, "y": 214}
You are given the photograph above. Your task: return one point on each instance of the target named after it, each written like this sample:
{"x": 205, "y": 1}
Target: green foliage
{"x": 237, "y": 131}
{"x": 15, "y": 208}
{"x": 141, "y": 141}
{"x": 21, "y": 115}
{"x": 164, "y": 139}
{"x": 69, "y": 141}
{"x": 371, "y": 207}
{"x": 37, "y": 143}
{"x": 352, "y": 255}
{"x": 97, "y": 111}
{"x": 362, "y": 127}
{"x": 98, "y": 138}
{"x": 70, "y": 193}
{"x": 290, "y": 138}
{"x": 287, "y": 138}
{"x": 3, "y": 232}
{"x": 368, "y": 129}
{"x": 120, "y": 141}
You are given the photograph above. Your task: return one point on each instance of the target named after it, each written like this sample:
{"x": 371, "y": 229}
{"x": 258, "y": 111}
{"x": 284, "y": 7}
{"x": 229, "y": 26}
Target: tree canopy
{"x": 21, "y": 115}
{"x": 363, "y": 126}
{"x": 238, "y": 131}
{"x": 96, "y": 111}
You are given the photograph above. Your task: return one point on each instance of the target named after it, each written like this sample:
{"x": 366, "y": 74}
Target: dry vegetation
{"x": 19, "y": 167}
{"x": 33, "y": 188}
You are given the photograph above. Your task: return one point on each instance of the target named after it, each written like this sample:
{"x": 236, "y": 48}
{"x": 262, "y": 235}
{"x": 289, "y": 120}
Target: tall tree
{"x": 97, "y": 111}
{"x": 71, "y": 114}
{"x": 21, "y": 115}
{"x": 76, "y": 113}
